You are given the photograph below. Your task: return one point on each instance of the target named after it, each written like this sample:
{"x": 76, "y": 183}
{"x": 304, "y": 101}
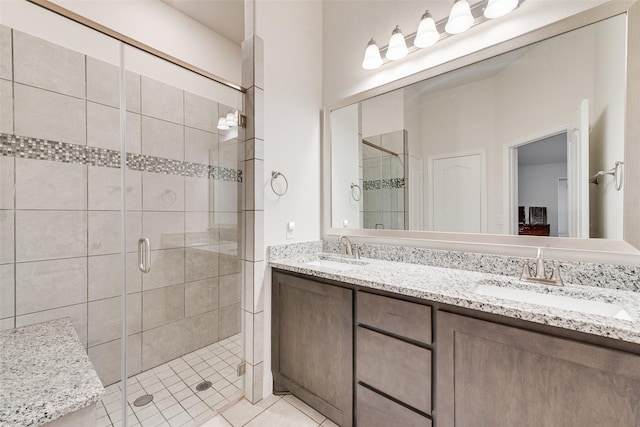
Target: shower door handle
{"x": 144, "y": 255}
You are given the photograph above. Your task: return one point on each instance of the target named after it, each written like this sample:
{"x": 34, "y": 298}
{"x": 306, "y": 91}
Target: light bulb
{"x": 498, "y": 8}
{"x": 397, "y": 45}
{"x": 460, "y": 18}
{"x": 372, "y": 58}
{"x": 232, "y": 119}
{"x": 222, "y": 123}
{"x": 427, "y": 33}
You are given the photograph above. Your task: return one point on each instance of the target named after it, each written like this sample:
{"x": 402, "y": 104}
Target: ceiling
{"x": 225, "y": 17}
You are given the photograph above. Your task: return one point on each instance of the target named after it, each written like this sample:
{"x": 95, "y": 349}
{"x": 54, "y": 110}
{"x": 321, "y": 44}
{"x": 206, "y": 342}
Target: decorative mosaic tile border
{"x": 378, "y": 184}
{"x": 41, "y": 149}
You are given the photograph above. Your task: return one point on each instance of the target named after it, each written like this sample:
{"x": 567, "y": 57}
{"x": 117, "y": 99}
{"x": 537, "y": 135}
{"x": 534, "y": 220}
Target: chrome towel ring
{"x": 274, "y": 176}
{"x": 354, "y": 192}
{"x": 618, "y": 175}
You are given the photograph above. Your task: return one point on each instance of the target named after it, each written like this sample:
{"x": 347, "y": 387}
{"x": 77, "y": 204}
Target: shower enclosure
{"x": 120, "y": 208}
{"x": 385, "y": 201}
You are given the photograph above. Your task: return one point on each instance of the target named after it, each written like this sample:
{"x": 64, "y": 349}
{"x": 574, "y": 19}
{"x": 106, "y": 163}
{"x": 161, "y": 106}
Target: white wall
{"x": 526, "y": 111}
{"x": 346, "y": 158}
{"x": 292, "y": 34}
{"x": 292, "y": 104}
{"x": 383, "y": 114}
{"x": 460, "y": 121}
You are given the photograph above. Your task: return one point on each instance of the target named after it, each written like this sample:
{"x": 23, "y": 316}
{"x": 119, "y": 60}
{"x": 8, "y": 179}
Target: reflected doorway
{"x": 542, "y": 172}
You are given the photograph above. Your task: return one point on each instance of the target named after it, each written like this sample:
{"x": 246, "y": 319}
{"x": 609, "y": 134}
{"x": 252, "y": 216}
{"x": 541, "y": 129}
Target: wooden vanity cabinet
{"x": 393, "y": 362}
{"x": 477, "y": 369}
{"x": 490, "y": 374}
{"x": 312, "y": 344}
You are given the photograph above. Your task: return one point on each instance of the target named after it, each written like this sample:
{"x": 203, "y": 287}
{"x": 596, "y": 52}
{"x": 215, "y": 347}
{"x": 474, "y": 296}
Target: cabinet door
{"x": 312, "y": 342}
{"x": 495, "y": 375}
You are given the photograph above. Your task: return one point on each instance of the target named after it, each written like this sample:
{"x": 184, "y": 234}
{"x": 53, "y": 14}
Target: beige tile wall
{"x": 6, "y": 105}
{"x": 60, "y": 237}
{"x": 253, "y": 217}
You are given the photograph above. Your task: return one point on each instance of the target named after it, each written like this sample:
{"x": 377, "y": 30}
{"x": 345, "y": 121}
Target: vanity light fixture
{"x": 372, "y": 57}
{"x": 229, "y": 120}
{"x": 461, "y": 17}
{"x": 498, "y": 8}
{"x": 222, "y": 124}
{"x": 397, "y": 45}
{"x": 427, "y": 34}
{"x": 232, "y": 119}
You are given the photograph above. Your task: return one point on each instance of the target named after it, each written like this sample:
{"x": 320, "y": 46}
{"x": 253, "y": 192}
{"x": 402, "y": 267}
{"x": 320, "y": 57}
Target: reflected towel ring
{"x": 353, "y": 192}
{"x": 274, "y": 176}
{"x": 617, "y": 172}
{"x": 618, "y": 175}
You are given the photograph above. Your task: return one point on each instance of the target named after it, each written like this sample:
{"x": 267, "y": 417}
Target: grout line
{"x": 86, "y": 189}
{"x": 184, "y": 214}
{"x": 15, "y": 220}
{"x": 300, "y": 410}
{"x": 43, "y": 89}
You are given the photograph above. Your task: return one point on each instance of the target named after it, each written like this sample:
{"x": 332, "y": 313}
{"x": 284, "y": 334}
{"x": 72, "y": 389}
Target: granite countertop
{"x": 456, "y": 287}
{"x": 45, "y": 373}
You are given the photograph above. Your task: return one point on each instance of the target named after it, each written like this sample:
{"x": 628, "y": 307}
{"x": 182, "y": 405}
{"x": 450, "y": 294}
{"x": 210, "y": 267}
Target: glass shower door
{"x": 184, "y": 228}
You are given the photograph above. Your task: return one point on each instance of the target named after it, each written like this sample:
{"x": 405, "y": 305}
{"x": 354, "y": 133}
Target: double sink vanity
{"x": 369, "y": 342}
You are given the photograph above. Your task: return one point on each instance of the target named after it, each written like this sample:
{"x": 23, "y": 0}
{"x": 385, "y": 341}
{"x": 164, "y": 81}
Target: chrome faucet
{"x": 349, "y": 249}
{"x": 540, "y": 275}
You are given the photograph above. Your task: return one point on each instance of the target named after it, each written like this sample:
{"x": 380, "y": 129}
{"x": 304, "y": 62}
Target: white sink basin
{"x": 555, "y": 301}
{"x": 336, "y": 263}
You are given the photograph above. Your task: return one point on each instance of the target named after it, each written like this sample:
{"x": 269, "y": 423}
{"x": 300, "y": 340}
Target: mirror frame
{"x": 625, "y": 251}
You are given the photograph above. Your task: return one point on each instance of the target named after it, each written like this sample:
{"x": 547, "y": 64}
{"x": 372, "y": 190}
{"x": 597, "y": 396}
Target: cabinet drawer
{"x": 374, "y": 410}
{"x": 402, "y": 318}
{"x": 396, "y": 368}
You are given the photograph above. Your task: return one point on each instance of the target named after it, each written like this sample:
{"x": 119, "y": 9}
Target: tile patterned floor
{"x": 176, "y": 402}
{"x": 273, "y": 411}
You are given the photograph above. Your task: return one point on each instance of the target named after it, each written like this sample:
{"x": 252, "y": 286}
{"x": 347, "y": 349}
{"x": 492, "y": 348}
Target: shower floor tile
{"x": 176, "y": 402}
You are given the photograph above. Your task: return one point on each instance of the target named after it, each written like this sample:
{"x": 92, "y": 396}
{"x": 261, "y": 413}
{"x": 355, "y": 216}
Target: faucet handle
{"x": 526, "y": 271}
{"x": 555, "y": 275}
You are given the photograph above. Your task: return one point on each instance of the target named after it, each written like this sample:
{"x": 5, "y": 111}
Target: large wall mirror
{"x": 529, "y": 142}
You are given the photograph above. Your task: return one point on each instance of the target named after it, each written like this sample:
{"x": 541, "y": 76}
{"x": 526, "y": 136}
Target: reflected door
{"x": 456, "y": 185}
